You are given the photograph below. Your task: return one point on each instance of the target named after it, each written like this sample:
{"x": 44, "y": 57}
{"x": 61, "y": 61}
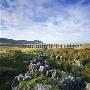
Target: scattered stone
{"x": 40, "y": 66}
{"x": 42, "y": 87}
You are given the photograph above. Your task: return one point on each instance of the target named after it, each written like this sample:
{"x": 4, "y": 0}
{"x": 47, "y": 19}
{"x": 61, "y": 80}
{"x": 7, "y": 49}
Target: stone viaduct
{"x": 50, "y": 45}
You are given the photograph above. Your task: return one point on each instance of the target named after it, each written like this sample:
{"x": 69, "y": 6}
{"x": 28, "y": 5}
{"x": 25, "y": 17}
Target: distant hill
{"x": 4, "y": 41}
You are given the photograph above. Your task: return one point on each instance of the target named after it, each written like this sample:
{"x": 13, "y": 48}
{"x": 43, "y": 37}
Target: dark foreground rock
{"x": 41, "y": 67}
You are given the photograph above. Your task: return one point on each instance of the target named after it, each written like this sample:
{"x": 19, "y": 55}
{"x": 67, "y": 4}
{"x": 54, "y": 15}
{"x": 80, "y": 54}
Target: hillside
{"x": 4, "y": 41}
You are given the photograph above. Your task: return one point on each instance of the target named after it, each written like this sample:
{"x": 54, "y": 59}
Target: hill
{"x": 5, "y": 41}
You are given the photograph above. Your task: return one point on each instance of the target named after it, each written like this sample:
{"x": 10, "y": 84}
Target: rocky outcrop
{"x": 41, "y": 67}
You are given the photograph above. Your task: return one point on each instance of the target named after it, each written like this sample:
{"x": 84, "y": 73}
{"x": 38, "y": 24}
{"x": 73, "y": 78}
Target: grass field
{"x": 12, "y": 61}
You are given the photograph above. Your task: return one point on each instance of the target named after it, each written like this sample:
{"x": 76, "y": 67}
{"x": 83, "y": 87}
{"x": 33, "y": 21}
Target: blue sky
{"x": 51, "y": 21}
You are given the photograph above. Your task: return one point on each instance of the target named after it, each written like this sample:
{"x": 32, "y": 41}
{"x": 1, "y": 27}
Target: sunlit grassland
{"x": 69, "y": 58}
{"x": 5, "y": 49}
{"x": 12, "y": 61}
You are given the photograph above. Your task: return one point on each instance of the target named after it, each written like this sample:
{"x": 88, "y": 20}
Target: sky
{"x": 50, "y": 21}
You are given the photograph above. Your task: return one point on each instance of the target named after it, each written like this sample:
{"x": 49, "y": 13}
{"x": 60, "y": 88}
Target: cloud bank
{"x": 52, "y": 21}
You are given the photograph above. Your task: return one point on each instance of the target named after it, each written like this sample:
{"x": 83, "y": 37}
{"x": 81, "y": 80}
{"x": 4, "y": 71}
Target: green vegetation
{"x": 12, "y": 63}
{"x": 41, "y": 80}
{"x": 76, "y": 61}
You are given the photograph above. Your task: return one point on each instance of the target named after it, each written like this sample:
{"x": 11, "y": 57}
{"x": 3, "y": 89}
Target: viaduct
{"x": 50, "y": 45}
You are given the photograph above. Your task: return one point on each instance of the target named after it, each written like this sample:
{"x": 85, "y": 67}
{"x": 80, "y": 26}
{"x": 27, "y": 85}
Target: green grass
{"x": 12, "y": 63}
{"x": 40, "y": 80}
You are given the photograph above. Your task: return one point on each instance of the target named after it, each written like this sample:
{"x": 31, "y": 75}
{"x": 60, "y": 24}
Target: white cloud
{"x": 0, "y": 33}
{"x": 61, "y": 24}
